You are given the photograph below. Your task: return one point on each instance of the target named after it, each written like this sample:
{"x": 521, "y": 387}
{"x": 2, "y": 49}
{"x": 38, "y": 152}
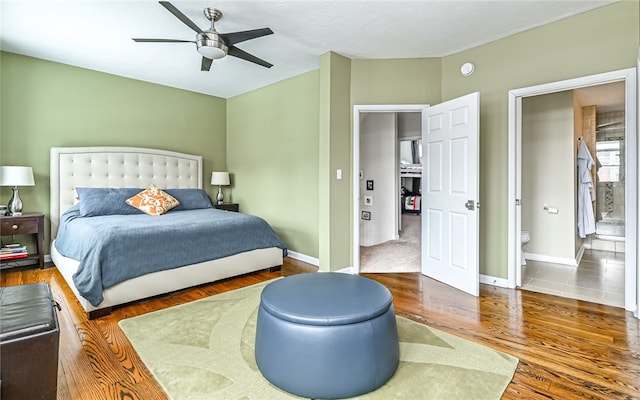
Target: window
{"x": 608, "y": 154}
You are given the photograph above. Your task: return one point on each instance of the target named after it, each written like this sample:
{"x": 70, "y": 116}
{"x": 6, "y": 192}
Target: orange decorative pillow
{"x": 153, "y": 201}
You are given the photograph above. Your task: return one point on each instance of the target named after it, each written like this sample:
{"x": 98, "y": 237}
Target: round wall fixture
{"x": 467, "y": 69}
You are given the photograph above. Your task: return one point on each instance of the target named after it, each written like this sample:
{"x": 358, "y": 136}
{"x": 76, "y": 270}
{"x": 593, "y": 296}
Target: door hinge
{"x": 517, "y": 202}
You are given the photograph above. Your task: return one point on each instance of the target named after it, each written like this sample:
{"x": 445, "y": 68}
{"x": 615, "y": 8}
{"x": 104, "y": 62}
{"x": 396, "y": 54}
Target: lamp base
{"x": 220, "y": 197}
{"x": 15, "y": 203}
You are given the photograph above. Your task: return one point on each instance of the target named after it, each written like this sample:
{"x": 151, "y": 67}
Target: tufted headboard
{"x": 73, "y": 167}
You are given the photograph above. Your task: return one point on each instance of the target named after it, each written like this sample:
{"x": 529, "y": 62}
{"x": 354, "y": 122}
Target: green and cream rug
{"x": 204, "y": 350}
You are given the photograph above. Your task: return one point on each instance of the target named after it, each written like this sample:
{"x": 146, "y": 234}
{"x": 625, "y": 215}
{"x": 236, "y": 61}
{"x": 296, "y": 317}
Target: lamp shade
{"x": 16, "y": 176}
{"x": 219, "y": 178}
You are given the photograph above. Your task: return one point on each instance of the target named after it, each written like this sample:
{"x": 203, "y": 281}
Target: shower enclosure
{"x": 610, "y": 190}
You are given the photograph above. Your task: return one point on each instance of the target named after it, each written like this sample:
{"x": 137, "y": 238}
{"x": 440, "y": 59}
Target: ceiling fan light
{"x": 210, "y": 52}
{"x": 211, "y": 46}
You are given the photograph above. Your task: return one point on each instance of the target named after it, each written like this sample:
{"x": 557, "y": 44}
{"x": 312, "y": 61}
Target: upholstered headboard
{"x": 73, "y": 167}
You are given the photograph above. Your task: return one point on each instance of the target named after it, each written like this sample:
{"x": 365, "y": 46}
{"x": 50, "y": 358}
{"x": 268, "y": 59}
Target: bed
{"x": 122, "y": 168}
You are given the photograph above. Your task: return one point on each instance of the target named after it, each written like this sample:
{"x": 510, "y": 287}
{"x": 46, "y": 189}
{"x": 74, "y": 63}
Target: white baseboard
{"x": 348, "y": 270}
{"x": 551, "y": 259}
{"x": 494, "y": 281}
{"x": 304, "y": 258}
{"x": 580, "y": 254}
{"x": 489, "y": 280}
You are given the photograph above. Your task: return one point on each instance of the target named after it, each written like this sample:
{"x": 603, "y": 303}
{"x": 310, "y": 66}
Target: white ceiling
{"x": 97, "y": 34}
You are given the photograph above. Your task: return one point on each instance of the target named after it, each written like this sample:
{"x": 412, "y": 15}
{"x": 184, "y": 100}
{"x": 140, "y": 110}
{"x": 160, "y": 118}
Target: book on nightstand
{"x": 14, "y": 248}
{"x": 13, "y": 251}
{"x": 13, "y": 256}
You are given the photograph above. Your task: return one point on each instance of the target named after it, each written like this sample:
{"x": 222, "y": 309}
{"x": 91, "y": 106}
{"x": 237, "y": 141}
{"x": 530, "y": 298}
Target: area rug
{"x": 205, "y": 350}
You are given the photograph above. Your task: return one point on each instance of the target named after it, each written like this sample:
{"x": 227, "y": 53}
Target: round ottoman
{"x": 326, "y": 335}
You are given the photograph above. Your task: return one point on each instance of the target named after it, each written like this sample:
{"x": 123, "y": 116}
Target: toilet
{"x": 524, "y": 238}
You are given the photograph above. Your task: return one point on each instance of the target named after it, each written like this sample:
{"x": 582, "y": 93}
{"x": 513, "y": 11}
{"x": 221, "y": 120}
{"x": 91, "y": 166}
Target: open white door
{"x": 450, "y": 197}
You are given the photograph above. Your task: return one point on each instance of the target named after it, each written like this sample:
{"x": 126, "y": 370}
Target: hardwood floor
{"x": 568, "y": 349}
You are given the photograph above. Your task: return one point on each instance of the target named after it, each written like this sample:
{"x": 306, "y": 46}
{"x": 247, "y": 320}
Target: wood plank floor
{"x": 568, "y": 349}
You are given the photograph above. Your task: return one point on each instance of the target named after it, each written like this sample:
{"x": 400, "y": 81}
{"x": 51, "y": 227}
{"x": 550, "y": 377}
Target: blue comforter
{"x": 114, "y": 248}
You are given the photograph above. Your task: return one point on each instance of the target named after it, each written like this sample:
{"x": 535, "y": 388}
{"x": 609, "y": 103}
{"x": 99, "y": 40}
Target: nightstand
{"x": 25, "y": 224}
{"x": 228, "y": 206}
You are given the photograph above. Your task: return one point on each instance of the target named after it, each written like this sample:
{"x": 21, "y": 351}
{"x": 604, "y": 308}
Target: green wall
{"x": 46, "y": 104}
{"x": 335, "y": 154}
{"x": 397, "y": 81}
{"x": 602, "y": 40}
{"x": 272, "y": 155}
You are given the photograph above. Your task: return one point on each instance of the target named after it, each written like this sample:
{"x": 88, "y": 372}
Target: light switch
{"x": 339, "y": 174}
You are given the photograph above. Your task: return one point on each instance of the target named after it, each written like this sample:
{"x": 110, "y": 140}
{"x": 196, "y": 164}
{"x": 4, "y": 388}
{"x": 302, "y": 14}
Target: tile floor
{"x": 599, "y": 278}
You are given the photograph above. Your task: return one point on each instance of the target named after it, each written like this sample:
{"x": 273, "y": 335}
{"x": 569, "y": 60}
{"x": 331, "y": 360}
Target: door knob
{"x": 470, "y": 205}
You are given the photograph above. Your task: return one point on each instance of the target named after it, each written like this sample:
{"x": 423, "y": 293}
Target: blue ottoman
{"x": 326, "y": 335}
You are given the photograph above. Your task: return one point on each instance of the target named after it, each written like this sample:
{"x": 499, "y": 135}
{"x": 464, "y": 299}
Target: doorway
{"x": 628, "y": 79}
{"x": 558, "y": 260}
{"x": 390, "y": 182}
{"x": 381, "y": 243}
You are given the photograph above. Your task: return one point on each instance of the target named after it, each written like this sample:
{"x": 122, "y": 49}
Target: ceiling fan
{"x": 211, "y": 44}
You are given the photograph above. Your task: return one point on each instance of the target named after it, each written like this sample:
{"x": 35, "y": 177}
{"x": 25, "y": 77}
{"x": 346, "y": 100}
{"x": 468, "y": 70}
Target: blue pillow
{"x": 190, "y": 199}
{"x": 106, "y": 201}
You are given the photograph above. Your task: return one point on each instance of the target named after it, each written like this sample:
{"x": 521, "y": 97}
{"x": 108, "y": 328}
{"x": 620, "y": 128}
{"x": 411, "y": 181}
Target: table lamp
{"x": 220, "y": 179}
{"x": 16, "y": 176}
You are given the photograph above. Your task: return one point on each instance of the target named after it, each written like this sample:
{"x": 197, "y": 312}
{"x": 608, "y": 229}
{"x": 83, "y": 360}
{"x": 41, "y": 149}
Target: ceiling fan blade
{"x": 173, "y": 10}
{"x": 237, "y": 37}
{"x": 162, "y": 40}
{"x": 236, "y": 52}
{"x": 206, "y": 64}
